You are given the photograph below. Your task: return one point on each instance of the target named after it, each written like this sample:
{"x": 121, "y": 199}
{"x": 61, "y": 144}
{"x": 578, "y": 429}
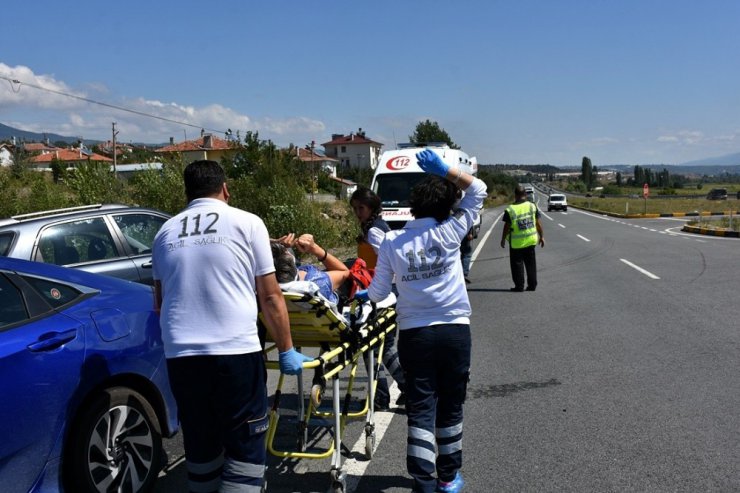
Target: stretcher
{"x": 343, "y": 340}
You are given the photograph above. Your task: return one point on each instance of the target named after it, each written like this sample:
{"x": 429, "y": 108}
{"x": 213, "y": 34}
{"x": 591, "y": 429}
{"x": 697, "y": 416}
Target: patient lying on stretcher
{"x": 328, "y": 281}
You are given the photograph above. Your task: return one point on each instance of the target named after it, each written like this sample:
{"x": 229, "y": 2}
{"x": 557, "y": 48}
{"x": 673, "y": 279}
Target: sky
{"x": 518, "y": 81}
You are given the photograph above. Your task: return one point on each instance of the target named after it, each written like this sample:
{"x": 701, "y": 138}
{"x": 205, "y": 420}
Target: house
{"x": 347, "y": 188}
{"x": 6, "y": 154}
{"x": 316, "y": 160}
{"x": 70, "y": 158}
{"x": 38, "y": 147}
{"x": 354, "y": 150}
{"x": 121, "y": 149}
{"x": 208, "y": 146}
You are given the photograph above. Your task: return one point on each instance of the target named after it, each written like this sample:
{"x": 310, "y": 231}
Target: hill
{"x": 7, "y": 133}
{"x": 728, "y": 160}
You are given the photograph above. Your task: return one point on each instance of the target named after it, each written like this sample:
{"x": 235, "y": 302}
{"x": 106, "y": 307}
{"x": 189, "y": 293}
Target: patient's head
{"x": 285, "y": 268}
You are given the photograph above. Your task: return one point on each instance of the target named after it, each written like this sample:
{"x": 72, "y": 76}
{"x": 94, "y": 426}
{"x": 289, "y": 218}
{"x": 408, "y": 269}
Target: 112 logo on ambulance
{"x": 398, "y": 163}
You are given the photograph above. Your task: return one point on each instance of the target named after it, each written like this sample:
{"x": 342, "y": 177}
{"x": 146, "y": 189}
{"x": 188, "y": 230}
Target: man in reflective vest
{"x": 522, "y": 227}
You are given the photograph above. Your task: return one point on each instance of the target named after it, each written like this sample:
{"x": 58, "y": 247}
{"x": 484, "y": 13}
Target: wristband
{"x": 324, "y": 257}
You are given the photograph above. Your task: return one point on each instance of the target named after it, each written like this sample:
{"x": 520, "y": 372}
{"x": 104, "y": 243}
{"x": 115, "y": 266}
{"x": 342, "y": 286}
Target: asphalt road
{"x": 618, "y": 374}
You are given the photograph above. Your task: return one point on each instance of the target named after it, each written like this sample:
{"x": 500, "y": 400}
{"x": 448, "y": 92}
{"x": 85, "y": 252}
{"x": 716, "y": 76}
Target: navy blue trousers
{"x": 222, "y": 406}
{"x": 436, "y": 363}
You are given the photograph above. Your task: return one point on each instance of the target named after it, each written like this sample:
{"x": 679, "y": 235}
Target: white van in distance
{"x": 398, "y": 172}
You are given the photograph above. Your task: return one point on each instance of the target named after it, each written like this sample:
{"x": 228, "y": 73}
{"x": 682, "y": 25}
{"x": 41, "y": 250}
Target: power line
{"x": 100, "y": 103}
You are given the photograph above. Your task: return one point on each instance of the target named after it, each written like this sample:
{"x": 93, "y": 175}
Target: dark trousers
{"x": 466, "y": 255}
{"x": 391, "y": 364}
{"x": 222, "y": 406}
{"x": 436, "y": 362}
{"x": 519, "y": 260}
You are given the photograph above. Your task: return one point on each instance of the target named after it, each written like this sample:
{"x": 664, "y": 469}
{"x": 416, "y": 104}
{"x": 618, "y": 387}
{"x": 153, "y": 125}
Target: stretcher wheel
{"x": 369, "y": 446}
{"x": 337, "y": 487}
{"x": 317, "y": 393}
{"x": 338, "y": 482}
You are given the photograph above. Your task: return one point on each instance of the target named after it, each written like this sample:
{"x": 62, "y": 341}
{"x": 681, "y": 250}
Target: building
{"x": 346, "y": 188}
{"x": 6, "y": 154}
{"x": 70, "y": 158}
{"x": 316, "y": 160}
{"x": 353, "y": 150}
{"x": 206, "y": 147}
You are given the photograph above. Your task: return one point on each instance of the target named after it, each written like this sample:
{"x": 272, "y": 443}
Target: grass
{"x": 625, "y": 205}
{"x": 727, "y": 223}
{"x": 657, "y": 205}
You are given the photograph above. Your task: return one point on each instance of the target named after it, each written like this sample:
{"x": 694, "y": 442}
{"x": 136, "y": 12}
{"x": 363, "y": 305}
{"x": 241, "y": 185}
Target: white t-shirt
{"x": 207, "y": 258}
{"x": 425, "y": 258}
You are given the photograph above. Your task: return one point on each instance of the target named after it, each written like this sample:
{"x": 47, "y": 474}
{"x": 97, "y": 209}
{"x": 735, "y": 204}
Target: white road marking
{"x": 484, "y": 239}
{"x": 561, "y": 225}
{"x": 354, "y": 468}
{"x": 640, "y": 269}
{"x": 583, "y": 238}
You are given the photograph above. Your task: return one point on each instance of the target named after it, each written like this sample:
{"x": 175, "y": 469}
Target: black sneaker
{"x": 382, "y": 405}
{"x": 401, "y": 401}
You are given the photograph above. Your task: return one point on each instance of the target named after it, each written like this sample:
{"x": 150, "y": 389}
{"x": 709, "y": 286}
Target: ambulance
{"x": 397, "y": 173}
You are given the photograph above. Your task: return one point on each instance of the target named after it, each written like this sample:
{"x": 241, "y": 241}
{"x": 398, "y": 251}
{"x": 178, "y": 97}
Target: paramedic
{"x": 522, "y": 227}
{"x": 433, "y": 316}
{"x": 212, "y": 266}
{"x": 366, "y": 205}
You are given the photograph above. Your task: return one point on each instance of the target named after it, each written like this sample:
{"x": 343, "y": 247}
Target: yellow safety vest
{"x": 523, "y": 224}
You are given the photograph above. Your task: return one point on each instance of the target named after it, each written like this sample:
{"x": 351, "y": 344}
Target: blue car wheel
{"x": 116, "y": 444}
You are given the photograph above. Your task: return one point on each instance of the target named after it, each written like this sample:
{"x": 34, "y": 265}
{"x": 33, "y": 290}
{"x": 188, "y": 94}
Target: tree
{"x": 428, "y": 131}
{"x": 586, "y": 172}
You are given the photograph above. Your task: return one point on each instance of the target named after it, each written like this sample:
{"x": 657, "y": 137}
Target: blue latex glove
{"x": 291, "y": 361}
{"x": 430, "y": 162}
{"x": 362, "y": 295}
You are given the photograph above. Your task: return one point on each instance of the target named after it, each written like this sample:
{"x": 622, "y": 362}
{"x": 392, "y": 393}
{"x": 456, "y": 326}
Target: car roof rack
{"x": 31, "y": 215}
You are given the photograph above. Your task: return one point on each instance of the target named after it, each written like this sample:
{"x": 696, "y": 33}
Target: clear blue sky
{"x": 519, "y": 81}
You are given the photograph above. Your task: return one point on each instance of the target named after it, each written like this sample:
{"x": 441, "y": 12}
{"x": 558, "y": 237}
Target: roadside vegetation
{"x": 668, "y": 194}
{"x": 262, "y": 178}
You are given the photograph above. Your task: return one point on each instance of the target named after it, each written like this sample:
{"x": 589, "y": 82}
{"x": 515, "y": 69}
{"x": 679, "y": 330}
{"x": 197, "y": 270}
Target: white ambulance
{"x": 398, "y": 172}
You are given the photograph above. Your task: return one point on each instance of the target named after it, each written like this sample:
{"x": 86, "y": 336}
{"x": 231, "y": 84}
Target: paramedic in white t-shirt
{"x": 212, "y": 266}
{"x": 433, "y": 317}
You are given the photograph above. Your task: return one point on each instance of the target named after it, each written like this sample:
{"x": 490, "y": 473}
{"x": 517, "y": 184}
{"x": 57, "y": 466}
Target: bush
{"x": 94, "y": 183}
{"x": 159, "y": 189}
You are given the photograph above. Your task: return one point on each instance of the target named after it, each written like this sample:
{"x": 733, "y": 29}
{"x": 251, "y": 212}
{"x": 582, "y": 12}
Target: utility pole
{"x": 313, "y": 170}
{"x": 115, "y": 169}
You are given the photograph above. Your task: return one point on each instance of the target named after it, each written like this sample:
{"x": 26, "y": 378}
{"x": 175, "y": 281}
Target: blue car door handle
{"x": 53, "y": 340}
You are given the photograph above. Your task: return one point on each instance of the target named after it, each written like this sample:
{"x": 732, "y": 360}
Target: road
{"x": 618, "y": 374}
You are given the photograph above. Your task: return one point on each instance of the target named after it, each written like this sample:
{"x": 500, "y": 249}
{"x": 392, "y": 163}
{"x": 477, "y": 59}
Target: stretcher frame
{"x": 315, "y": 324}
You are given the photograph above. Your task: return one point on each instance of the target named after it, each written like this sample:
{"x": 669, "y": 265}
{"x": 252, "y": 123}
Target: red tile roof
{"x": 305, "y": 155}
{"x": 349, "y": 140}
{"x": 198, "y": 145}
{"x": 66, "y": 155}
{"x": 37, "y": 147}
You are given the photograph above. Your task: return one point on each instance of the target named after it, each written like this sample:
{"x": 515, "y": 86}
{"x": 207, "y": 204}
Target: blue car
{"x": 83, "y": 382}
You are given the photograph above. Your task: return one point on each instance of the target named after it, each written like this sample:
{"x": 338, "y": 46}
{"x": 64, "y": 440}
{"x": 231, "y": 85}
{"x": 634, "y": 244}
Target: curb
{"x": 711, "y": 232}
{"x": 688, "y": 229}
{"x": 663, "y": 214}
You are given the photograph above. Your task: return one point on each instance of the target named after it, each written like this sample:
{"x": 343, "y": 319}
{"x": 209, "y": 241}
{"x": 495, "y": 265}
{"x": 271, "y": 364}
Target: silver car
{"x": 111, "y": 239}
